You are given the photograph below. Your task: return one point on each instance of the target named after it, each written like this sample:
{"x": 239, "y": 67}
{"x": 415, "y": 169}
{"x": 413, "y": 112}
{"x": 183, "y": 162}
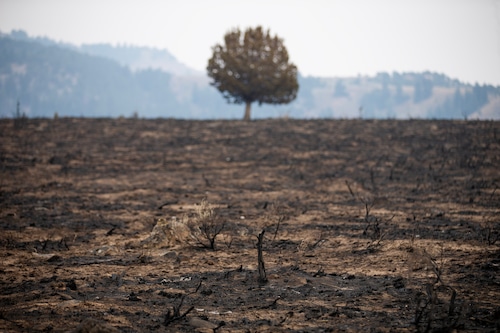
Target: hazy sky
{"x": 460, "y": 38}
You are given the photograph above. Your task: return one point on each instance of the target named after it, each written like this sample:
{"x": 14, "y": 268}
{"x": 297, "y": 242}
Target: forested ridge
{"x": 47, "y": 77}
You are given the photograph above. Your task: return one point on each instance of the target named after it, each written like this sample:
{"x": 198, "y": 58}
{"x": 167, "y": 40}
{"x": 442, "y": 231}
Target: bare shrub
{"x": 373, "y": 227}
{"x": 436, "y": 308}
{"x": 176, "y": 314}
{"x": 489, "y": 232}
{"x": 206, "y": 225}
{"x": 277, "y": 216}
{"x": 367, "y": 200}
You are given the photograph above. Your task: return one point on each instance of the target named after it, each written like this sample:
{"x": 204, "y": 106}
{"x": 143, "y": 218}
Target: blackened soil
{"x": 381, "y": 226}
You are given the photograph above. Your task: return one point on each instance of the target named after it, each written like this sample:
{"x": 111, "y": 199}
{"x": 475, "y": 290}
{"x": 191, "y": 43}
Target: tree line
{"x": 49, "y": 78}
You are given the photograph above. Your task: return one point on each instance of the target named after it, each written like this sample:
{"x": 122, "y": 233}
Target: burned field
{"x": 368, "y": 225}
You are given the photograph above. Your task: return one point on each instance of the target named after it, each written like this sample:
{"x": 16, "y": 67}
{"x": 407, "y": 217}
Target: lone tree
{"x": 253, "y": 67}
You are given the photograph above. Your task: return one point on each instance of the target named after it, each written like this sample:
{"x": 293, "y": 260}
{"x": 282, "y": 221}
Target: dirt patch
{"x": 369, "y": 225}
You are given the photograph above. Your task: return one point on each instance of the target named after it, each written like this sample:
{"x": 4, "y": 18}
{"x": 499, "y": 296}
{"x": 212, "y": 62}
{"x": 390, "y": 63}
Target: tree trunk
{"x": 247, "y": 111}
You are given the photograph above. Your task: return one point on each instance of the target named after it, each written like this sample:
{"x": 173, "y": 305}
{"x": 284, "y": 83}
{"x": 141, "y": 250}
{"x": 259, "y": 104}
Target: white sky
{"x": 459, "y": 38}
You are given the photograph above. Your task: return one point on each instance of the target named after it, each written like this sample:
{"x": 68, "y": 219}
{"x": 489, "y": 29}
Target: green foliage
{"x": 253, "y": 67}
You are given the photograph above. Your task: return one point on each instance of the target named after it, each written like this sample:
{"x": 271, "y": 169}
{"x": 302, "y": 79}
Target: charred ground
{"x": 370, "y": 225}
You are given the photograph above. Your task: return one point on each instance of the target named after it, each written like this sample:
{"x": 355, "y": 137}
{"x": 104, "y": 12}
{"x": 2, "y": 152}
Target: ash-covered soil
{"x": 370, "y": 226}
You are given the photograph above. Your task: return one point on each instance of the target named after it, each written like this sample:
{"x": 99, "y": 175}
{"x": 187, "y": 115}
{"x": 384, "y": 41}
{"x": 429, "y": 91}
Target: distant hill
{"x": 50, "y": 79}
{"x": 140, "y": 58}
{"x": 101, "y": 80}
{"x": 405, "y": 95}
{"x": 134, "y": 57}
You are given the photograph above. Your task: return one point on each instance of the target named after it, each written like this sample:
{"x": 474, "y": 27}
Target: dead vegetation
{"x": 436, "y": 305}
{"x": 206, "y": 225}
{"x": 273, "y": 226}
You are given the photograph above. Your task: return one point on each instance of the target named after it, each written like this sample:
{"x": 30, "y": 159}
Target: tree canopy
{"x": 253, "y": 67}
